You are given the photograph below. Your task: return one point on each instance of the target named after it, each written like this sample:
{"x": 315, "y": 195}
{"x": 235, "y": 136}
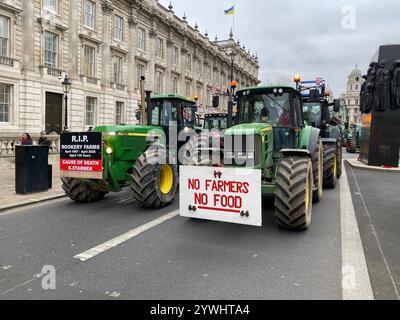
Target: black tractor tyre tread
{"x": 290, "y": 205}
{"x": 317, "y": 194}
{"x": 351, "y": 146}
{"x": 144, "y": 182}
{"x": 339, "y": 157}
{"x": 330, "y": 153}
{"x": 80, "y": 191}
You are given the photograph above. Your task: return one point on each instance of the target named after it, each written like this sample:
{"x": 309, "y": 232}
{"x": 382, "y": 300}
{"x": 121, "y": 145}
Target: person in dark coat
{"x": 26, "y": 139}
{"x": 43, "y": 141}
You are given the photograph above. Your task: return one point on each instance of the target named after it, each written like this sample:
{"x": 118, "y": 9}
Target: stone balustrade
{"x": 9, "y": 141}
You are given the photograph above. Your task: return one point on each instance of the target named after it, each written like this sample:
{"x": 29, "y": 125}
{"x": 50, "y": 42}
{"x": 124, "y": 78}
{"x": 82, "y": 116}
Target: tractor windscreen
{"x": 312, "y": 113}
{"x": 265, "y": 108}
{"x": 189, "y": 115}
{"x": 219, "y": 123}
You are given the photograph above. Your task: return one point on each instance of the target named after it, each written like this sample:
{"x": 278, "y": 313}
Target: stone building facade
{"x": 104, "y": 46}
{"x": 352, "y": 95}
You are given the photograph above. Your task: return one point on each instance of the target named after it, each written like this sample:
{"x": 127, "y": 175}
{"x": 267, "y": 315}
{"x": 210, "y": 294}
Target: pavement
{"x": 9, "y": 199}
{"x": 135, "y": 253}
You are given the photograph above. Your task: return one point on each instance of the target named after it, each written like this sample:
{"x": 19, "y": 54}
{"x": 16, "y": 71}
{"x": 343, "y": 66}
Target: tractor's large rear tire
{"x": 339, "y": 157}
{"x": 317, "y": 165}
{"x": 80, "y": 191}
{"x": 351, "y": 146}
{"x": 153, "y": 184}
{"x": 293, "y": 194}
{"x": 330, "y": 166}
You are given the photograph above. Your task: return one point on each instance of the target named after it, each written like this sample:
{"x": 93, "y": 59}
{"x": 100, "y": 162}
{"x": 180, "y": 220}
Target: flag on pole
{"x": 230, "y": 10}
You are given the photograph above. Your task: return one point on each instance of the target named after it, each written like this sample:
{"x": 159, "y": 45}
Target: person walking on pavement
{"x": 43, "y": 141}
{"x": 26, "y": 140}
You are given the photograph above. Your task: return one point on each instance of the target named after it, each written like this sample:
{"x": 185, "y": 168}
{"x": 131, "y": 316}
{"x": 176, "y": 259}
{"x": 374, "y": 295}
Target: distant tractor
{"x": 215, "y": 121}
{"x": 353, "y": 139}
{"x": 317, "y": 114}
{"x": 273, "y": 139}
{"x": 114, "y": 156}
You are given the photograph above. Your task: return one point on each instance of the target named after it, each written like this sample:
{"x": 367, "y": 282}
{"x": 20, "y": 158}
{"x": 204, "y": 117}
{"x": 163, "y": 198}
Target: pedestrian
{"x": 43, "y": 141}
{"x": 26, "y": 140}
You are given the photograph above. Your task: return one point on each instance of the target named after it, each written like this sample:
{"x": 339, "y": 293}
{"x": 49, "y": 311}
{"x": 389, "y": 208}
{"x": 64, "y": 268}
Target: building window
{"x": 89, "y": 13}
{"x": 188, "y": 62}
{"x": 89, "y": 61}
{"x": 5, "y": 102}
{"x": 117, "y": 69}
{"x": 119, "y": 112}
{"x": 51, "y": 5}
{"x": 160, "y": 48}
{"x": 188, "y": 89}
{"x": 175, "y": 85}
{"x": 90, "y": 111}
{"x": 351, "y": 87}
{"x": 118, "y": 28}
{"x": 4, "y": 36}
{"x": 141, "y": 71}
{"x": 356, "y": 87}
{"x": 141, "y": 39}
{"x": 50, "y": 49}
{"x": 198, "y": 93}
{"x": 174, "y": 56}
{"x": 159, "y": 82}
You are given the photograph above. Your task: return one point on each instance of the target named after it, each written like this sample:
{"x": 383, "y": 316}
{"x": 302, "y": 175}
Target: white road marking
{"x": 376, "y": 237}
{"x": 89, "y": 254}
{"x": 356, "y": 284}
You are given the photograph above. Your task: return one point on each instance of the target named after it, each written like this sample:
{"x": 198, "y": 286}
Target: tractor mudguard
{"x": 313, "y": 140}
{"x": 296, "y": 152}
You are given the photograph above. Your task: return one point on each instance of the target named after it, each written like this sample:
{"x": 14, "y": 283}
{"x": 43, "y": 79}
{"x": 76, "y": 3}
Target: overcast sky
{"x": 301, "y": 36}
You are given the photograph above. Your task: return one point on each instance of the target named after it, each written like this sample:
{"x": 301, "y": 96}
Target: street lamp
{"x": 66, "y": 86}
{"x": 232, "y": 89}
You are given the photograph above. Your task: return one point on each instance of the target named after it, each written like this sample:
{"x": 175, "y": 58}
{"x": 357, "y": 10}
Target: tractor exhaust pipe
{"x": 148, "y": 106}
{"x": 142, "y": 102}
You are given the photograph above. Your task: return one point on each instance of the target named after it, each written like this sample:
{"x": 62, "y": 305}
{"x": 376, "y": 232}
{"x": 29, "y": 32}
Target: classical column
{"x": 73, "y": 45}
{"x": 150, "y": 81}
{"x": 107, "y": 9}
{"x": 28, "y": 36}
{"x": 131, "y": 55}
{"x": 168, "y": 76}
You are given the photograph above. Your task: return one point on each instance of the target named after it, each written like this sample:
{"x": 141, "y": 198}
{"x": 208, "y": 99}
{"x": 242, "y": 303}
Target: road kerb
{"x": 28, "y": 202}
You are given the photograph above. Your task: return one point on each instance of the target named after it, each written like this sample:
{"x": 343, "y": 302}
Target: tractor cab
{"x": 173, "y": 108}
{"x": 276, "y": 108}
{"x": 214, "y": 121}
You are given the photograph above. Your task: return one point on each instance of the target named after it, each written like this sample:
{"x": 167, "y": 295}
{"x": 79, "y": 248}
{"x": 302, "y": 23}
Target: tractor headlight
{"x": 109, "y": 150}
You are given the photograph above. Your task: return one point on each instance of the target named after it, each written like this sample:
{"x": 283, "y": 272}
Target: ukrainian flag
{"x": 230, "y": 10}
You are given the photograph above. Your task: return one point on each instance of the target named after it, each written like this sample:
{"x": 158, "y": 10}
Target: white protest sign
{"x": 221, "y": 194}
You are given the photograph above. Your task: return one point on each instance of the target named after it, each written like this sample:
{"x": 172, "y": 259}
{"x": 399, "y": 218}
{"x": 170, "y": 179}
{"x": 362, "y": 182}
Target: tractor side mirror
{"x": 215, "y": 101}
{"x": 336, "y": 105}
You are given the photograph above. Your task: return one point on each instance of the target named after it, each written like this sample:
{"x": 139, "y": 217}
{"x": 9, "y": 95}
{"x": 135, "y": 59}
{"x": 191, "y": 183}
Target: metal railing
{"x": 6, "y": 61}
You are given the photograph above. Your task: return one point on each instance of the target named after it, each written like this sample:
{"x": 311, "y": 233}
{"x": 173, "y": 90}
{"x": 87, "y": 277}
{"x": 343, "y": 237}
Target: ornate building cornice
{"x": 107, "y": 7}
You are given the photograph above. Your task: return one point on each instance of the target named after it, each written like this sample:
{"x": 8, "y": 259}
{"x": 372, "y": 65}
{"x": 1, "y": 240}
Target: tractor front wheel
{"x": 154, "y": 184}
{"x": 80, "y": 191}
{"x": 330, "y": 166}
{"x": 293, "y": 194}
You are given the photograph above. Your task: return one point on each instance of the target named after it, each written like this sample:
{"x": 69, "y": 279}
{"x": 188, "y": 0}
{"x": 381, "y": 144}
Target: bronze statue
{"x": 382, "y": 93}
{"x": 364, "y": 95}
{"x": 371, "y": 84}
{"x": 396, "y": 86}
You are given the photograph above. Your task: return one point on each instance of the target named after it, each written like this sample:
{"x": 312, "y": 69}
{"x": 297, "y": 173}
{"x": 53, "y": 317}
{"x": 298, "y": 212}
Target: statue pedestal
{"x": 380, "y": 131}
{"x": 380, "y": 139}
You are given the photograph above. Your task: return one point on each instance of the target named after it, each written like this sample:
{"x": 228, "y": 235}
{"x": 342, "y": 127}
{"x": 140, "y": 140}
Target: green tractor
{"x": 317, "y": 114}
{"x": 111, "y": 157}
{"x": 217, "y": 121}
{"x": 273, "y": 138}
